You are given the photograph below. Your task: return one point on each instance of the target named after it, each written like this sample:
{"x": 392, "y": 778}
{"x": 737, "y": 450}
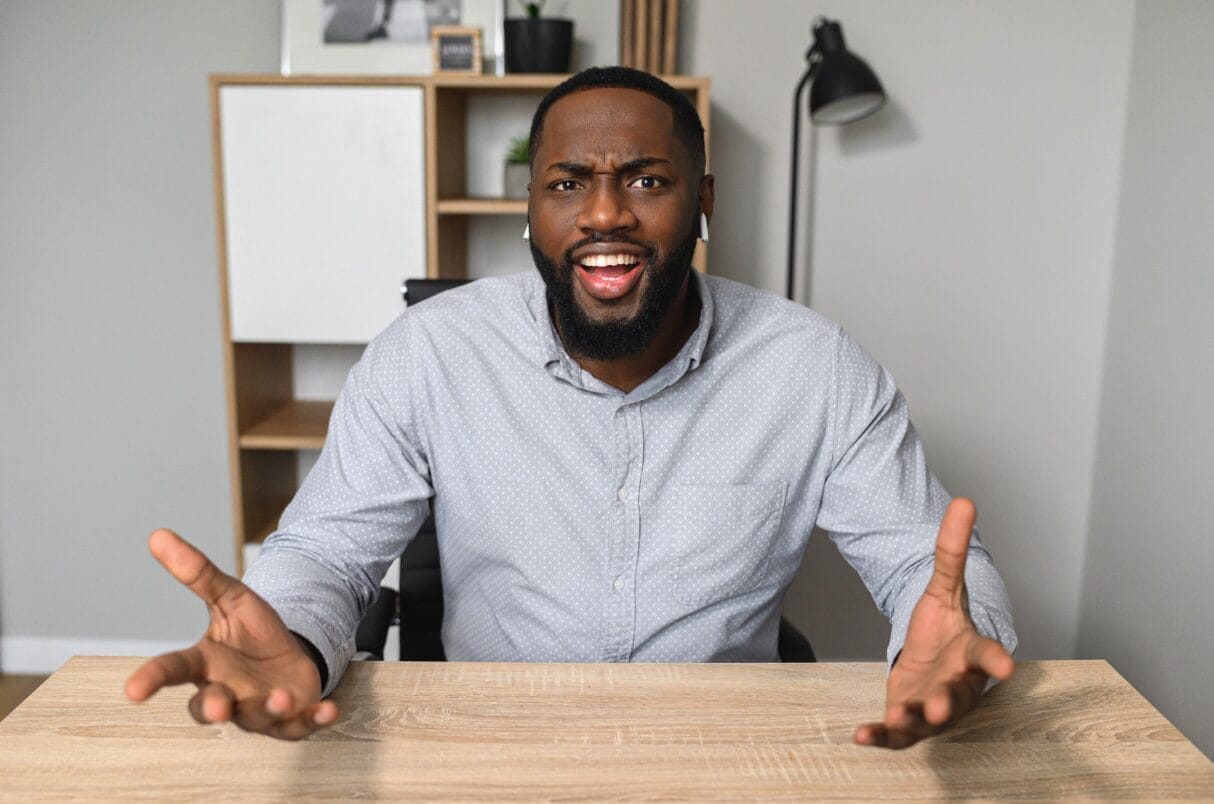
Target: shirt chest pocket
{"x": 722, "y": 538}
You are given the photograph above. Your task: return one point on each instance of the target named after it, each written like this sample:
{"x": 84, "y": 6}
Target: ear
{"x": 707, "y": 194}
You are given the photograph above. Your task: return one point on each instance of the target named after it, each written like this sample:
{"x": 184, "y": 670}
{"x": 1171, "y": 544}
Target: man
{"x": 625, "y": 458}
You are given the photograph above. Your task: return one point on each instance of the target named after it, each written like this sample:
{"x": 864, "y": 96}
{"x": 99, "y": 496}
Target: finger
{"x": 947, "y": 702}
{"x": 261, "y": 712}
{"x": 952, "y": 547}
{"x": 869, "y": 734}
{"x": 280, "y": 702}
{"x": 939, "y": 706}
{"x": 275, "y": 714}
{"x": 189, "y": 565}
{"x": 906, "y": 715}
{"x": 213, "y": 703}
{"x": 950, "y": 701}
{"x": 314, "y": 718}
{"x": 907, "y": 723}
{"x": 881, "y": 736}
{"x": 991, "y": 658}
{"x": 179, "y": 667}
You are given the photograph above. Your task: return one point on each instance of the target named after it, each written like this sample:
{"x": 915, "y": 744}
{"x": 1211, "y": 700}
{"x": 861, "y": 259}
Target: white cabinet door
{"x": 324, "y": 206}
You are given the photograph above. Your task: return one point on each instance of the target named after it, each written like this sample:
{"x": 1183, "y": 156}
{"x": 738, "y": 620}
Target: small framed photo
{"x": 382, "y": 37}
{"x": 457, "y": 49}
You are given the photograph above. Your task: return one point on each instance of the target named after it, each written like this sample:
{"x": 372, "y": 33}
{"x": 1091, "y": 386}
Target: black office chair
{"x": 418, "y": 607}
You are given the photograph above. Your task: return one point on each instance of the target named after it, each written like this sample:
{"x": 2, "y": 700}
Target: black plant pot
{"x": 538, "y": 45}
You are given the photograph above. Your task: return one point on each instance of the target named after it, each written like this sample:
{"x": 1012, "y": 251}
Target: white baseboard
{"x": 45, "y": 655}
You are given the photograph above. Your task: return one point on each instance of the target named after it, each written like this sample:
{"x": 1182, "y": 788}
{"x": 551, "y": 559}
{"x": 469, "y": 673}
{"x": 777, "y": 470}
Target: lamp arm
{"x": 814, "y": 61}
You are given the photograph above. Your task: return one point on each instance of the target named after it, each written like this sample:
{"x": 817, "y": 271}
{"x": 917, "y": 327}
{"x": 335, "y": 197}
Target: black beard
{"x": 612, "y": 340}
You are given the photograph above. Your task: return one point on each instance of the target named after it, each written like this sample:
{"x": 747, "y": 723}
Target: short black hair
{"x": 687, "y": 125}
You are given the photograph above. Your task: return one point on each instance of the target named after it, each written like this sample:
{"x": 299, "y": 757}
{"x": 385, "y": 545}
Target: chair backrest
{"x": 421, "y": 598}
{"x": 418, "y": 290}
{"x": 421, "y": 580}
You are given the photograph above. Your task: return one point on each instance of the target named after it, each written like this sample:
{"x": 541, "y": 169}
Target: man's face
{"x": 614, "y": 212}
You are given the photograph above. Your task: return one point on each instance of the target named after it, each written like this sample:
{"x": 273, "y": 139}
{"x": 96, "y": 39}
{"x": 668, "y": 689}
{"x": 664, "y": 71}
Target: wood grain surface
{"x": 294, "y": 424}
{"x": 559, "y": 731}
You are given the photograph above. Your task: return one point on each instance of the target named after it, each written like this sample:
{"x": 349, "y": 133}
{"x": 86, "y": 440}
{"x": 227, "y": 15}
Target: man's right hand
{"x": 248, "y": 667}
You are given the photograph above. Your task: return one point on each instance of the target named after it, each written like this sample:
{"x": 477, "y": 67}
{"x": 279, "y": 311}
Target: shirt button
{"x": 619, "y": 584}
{"x": 622, "y": 494}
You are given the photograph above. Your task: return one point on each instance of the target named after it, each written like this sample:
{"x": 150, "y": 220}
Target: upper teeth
{"x": 604, "y": 260}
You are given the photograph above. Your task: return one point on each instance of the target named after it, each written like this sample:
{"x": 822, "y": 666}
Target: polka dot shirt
{"x": 580, "y": 523}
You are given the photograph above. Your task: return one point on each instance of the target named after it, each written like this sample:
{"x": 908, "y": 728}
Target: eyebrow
{"x": 580, "y": 169}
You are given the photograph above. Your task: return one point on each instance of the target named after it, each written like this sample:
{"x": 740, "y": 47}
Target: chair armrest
{"x": 372, "y": 632}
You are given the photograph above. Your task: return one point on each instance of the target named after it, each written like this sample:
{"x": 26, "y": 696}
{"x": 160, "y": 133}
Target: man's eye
{"x": 646, "y": 183}
{"x": 566, "y": 185}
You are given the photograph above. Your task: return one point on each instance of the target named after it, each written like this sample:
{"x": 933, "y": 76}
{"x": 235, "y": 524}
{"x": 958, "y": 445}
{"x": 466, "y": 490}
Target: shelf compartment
{"x": 294, "y": 425}
{"x": 267, "y": 483}
{"x": 482, "y": 206}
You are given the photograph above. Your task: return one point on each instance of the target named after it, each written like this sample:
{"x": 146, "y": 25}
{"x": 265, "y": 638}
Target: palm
{"x": 945, "y": 662}
{"x": 248, "y": 647}
{"x": 248, "y": 667}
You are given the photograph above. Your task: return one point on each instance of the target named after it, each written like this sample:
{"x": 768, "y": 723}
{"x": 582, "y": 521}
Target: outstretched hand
{"x": 248, "y": 667}
{"x": 945, "y": 663}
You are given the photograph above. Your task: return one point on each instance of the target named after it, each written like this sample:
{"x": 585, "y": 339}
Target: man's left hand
{"x": 945, "y": 664}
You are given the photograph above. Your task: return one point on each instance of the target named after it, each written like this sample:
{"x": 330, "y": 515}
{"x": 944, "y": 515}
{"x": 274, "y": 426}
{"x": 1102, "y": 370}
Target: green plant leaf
{"x": 519, "y": 152}
{"x": 532, "y": 7}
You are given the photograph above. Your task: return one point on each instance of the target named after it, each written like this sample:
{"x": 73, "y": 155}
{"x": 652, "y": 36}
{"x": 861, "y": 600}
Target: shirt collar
{"x": 558, "y": 363}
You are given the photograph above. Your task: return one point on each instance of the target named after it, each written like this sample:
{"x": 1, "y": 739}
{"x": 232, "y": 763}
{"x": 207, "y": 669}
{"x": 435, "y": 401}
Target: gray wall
{"x": 1147, "y": 593}
{"x": 964, "y": 235}
{"x": 112, "y": 409}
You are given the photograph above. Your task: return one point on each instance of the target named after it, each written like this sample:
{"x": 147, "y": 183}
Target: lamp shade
{"x": 844, "y": 88}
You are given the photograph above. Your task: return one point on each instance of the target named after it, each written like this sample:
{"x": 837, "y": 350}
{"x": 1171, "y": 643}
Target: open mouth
{"x": 609, "y": 276}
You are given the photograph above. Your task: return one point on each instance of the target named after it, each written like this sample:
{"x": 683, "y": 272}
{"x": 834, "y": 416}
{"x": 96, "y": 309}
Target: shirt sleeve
{"x": 363, "y": 501}
{"x": 882, "y": 506}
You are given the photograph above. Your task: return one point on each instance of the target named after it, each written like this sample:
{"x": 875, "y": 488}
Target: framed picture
{"x": 381, "y": 37}
{"x": 457, "y": 49}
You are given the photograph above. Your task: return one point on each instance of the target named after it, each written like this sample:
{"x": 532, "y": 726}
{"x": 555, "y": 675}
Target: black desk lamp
{"x": 844, "y": 89}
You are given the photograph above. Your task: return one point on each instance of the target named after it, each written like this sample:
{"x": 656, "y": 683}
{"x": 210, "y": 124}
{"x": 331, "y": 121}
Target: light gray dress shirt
{"x": 579, "y": 523}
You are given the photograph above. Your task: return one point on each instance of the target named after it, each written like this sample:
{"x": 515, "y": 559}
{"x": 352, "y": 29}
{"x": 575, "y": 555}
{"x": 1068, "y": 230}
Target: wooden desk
{"x": 501, "y": 731}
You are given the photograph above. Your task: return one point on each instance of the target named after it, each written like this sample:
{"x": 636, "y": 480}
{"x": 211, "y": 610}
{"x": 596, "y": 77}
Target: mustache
{"x": 597, "y": 239}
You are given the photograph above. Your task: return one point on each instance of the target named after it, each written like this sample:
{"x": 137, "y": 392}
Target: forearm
{"x": 883, "y": 507}
{"x": 356, "y": 511}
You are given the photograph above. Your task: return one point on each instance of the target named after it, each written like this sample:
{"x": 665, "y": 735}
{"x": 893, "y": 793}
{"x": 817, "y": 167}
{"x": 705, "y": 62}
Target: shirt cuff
{"x": 309, "y": 601}
{"x": 322, "y": 669}
{"x": 332, "y": 663}
{"x": 989, "y": 607}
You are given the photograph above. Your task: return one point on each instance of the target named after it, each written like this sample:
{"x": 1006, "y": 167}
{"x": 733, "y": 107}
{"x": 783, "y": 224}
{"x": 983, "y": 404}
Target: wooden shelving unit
{"x": 267, "y": 425}
{"x": 481, "y": 206}
{"x": 294, "y": 425}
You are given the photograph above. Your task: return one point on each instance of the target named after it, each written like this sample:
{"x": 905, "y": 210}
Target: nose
{"x": 605, "y": 209}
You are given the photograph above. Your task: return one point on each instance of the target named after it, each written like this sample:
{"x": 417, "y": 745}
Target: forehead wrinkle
{"x": 595, "y": 149}
{"x": 579, "y": 168}
{"x": 584, "y": 129}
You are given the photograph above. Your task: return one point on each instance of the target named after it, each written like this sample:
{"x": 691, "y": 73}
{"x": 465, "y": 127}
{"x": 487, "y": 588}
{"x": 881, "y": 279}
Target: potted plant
{"x": 536, "y": 44}
{"x": 517, "y": 174}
